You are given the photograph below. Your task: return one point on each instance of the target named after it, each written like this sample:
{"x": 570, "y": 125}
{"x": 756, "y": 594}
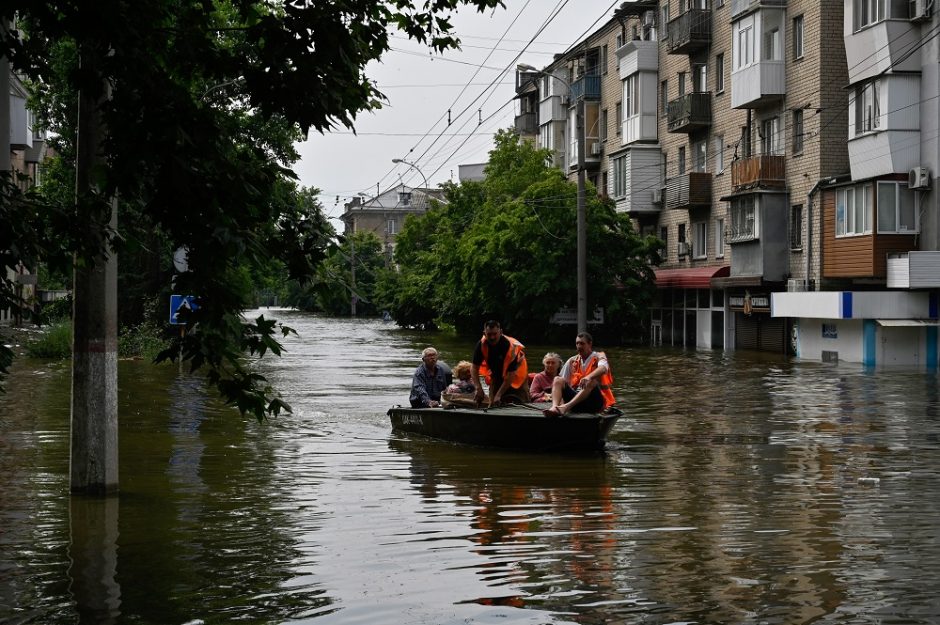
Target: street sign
{"x": 179, "y": 303}
{"x": 569, "y": 316}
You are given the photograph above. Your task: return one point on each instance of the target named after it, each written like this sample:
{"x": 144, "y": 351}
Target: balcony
{"x": 690, "y": 112}
{"x": 588, "y": 86}
{"x": 759, "y": 172}
{"x": 914, "y": 270}
{"x": 690, "y": 32}
{"x": 690, "y": 190}
{"x": 883, "y": 46}
{"x": 758, "y": 84}
{"x": 527, "y": 124}
{"x": 638, "y": 56}
{"x": 739, "y": 7}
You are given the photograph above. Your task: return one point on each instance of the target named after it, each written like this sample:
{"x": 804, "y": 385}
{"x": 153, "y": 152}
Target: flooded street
{"x": 737, "y": 488}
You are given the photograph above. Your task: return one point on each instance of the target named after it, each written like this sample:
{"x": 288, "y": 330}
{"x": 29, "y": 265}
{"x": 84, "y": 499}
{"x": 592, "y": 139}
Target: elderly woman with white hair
{"x": 541, "y": 388}
{"x": 430, "y": 379}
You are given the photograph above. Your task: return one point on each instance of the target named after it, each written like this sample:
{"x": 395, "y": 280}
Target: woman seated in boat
{"x": 541, "y": 387}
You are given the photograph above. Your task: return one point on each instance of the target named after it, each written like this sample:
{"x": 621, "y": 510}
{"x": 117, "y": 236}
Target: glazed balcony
{"x": 689, "y": 190}
{"x": 690, "y": 112}
{"x": 527, "y": 124}
{"x": 758, "y": 172}
{"x": 690, "y": 32}
{"x": 743, "y": 6}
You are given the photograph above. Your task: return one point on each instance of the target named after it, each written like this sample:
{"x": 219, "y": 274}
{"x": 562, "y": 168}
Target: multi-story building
{"x": 385, "y": 213}
{"x": 718, "y": 123}
{"x": 879, "y": 265}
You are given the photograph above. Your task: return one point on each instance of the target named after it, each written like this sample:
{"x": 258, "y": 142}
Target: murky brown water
{"x": 737, "y": 489}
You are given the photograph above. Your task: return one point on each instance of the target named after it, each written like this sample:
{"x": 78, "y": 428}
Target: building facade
{"x": 385, "y": 213}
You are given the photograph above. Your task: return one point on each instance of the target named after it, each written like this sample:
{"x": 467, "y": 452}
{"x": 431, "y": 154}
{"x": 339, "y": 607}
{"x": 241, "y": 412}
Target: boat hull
{"x": 509, "y": 427}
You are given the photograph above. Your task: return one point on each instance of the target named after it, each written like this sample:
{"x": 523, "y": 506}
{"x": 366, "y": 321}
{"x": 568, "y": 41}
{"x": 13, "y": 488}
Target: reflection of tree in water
{"x": 543, "y": 525}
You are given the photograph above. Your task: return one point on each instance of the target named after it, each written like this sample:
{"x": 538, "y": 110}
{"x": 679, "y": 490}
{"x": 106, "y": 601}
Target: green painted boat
{"x": 508, "y": 427}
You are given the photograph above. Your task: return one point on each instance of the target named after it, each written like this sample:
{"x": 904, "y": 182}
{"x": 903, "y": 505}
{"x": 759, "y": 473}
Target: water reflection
{"x": 93, "y": 556}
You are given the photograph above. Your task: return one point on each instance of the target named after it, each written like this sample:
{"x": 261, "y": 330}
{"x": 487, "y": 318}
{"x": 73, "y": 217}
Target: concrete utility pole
{"x": 582, "y": 222}
{"x": 94, "y": 438}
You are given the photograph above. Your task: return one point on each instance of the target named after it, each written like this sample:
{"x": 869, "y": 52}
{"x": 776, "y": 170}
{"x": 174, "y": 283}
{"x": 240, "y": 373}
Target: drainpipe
{"x": 809, "y": 231}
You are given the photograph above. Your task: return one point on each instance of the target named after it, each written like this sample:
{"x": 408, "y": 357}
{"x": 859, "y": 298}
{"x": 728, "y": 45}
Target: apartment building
{"x": 880, "y": 265}
{"x": 718, "y": 123}
{"x": 385, "y": 213}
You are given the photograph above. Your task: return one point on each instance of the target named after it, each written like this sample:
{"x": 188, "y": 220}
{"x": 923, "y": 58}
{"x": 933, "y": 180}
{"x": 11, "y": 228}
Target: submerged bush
{"x": 54, "y": 342}
{"x": 144, "y": 340}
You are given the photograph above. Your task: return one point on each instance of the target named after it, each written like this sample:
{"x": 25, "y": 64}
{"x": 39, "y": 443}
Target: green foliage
{"x": 206, "y": 101}
{"x": 506, "y": 248}
{"x": 58, "y": 310}
{"x": 144, "y": 340}
{"x": 54, "y": 342}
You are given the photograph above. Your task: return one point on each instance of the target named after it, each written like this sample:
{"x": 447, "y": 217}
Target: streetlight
{"x": 414, "y": 167}
{"x": 582, "y": 212}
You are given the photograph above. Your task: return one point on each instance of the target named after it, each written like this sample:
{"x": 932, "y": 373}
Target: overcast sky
{"x": 421, "y": 87}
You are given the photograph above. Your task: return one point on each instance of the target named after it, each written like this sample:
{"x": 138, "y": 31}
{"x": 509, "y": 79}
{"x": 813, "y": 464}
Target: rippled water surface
{"x": 737, "y": 489}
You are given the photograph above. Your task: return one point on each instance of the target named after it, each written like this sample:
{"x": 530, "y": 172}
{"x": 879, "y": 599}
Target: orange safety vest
{"x": 516, "y": 352}
{"x": 604, "y": 384}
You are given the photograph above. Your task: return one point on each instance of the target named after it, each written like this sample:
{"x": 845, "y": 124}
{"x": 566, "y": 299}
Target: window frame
{"x": 799, "y": 43}
{"x": 720, "y": 237}
{"x": 867, "y": 106}
{"x": 700, "y": 231}
{"x": 720, "y": 72}
{"x": 848, "y": 212}
{"x": 745, "y": 222}
{"x": 799, "y": 132}
{"x": 796, "y": 228}
{"x": 899, "y": 186}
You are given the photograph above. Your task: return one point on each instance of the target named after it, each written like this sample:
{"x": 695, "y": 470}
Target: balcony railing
{"x": 588, "y": 85}
{"x": 690, "y": 190}
{"x": 527, "y": 124}
{"x": 759, "y": 172}
{"x": 690, "y": 112}
{"x": 690, "y": 32}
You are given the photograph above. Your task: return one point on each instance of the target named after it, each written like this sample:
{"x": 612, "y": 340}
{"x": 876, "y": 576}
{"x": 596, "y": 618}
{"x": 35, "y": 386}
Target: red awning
{"x": 690, "y": 278}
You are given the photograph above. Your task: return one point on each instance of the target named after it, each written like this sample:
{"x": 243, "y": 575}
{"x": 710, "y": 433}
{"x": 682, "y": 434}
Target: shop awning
{"x": 689, "y": 278}
{"x": 908, "y": 323}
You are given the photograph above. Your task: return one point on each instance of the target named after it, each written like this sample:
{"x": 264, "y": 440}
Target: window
{"x": 720, "y": 72}
{"x": 665, "y": 163}
{"x": 719, "y": 151}
{"x": 720, "y": 237}
{"x": 772, "y": 50}
{"x": 664, "y": 235}
{"x": 604, "y": 59}
{"x": 743, "y": 219}
{"x": 681, "y": 237}
{"x": 681, "y": 84}
{"x": 620, "y": 176}
{"x": 619, "y": 118}
{"x": 631, "y": 95}
{"x": 699, "y": 240}
{"x": 700, "y": 78}
{"x": 744, "y": 47}
{"x": 798, "y": 37}
{"x": 854, "y": 210}
{"x": 867, "y": 107}
{"x": 796, "y": 227}
{"x": 682, "y": 161}
{"x": 868, "y": 12}
{"x": 664, "y": 7}
{"x": 404, "y": 198}
{"x": 700, "y": 156}
{"x": 392, "y": 227}
{"x": 664, "y": 96}
{"x": 798, "y": 131}
{"x": 770, "y": 136}
{"x": 896, "y": 208}
{"x": 603, "y": 135}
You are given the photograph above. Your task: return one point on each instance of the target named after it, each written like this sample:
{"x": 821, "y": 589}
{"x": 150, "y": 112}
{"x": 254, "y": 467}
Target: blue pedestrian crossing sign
{"x": 180, "y": 303}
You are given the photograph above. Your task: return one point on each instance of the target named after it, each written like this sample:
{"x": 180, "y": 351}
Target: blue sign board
{"x": 179, "y": 303}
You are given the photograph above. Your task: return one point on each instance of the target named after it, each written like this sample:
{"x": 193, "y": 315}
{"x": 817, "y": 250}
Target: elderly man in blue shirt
{"x": 429, "y": 381}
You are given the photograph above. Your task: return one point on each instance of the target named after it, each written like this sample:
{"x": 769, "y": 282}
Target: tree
{"x": 205, "y": 99}
{"x": 504, "y": 248}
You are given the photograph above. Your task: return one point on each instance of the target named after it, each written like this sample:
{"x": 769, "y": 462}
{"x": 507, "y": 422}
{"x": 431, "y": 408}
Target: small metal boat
{"x": 511, "y": 427}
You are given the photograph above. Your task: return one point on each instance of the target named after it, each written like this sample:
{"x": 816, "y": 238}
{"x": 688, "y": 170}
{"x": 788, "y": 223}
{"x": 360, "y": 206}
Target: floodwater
{"x": 737, "y": 489}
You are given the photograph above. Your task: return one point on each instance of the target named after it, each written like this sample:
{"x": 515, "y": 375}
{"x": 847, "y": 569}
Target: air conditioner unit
{"x": 920, "y": 10}
{"x": 596, "y": 148}
{"x": 795, "y": 285}
{"x": 657, "y": 196}
{"x": 683, "y": 248}
{"x": 919, "y": 178}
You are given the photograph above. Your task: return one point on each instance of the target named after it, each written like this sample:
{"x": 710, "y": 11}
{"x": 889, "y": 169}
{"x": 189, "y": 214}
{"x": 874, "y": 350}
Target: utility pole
{"x": 582, "y": 221}
{"x": 5, "y": 162}
{"x": 94, "y": 415}
{"x": 352, "y": 274}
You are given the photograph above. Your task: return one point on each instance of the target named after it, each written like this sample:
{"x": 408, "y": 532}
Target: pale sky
{"x": 421, "y": 87}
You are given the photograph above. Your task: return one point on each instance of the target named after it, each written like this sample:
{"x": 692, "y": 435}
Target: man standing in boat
{"x": 584, "y": 383}
{"x": 430, "y": 379}
{"x": 501, "y": 360}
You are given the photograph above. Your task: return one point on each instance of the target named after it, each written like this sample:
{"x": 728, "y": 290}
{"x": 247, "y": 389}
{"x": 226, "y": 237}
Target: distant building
{"x": 471, "y": 171}
{"x": 385, "y": 214}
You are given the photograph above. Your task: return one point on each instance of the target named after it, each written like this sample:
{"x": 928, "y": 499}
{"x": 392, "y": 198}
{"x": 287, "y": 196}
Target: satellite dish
{"x": 180, "y": 260}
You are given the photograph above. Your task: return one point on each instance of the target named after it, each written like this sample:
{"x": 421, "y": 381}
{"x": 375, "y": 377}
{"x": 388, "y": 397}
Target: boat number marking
{"x": 411, "y": 419}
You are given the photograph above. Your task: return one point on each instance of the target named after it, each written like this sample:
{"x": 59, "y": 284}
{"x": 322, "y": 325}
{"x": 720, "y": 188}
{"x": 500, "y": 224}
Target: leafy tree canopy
{"x": 506, "y": 248}
{"x": 204, "y": 101}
